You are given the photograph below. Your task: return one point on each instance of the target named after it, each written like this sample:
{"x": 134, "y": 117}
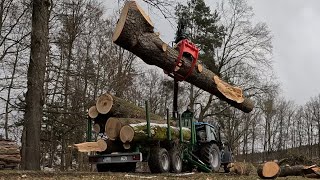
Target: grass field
{"x": 31, "y": 175}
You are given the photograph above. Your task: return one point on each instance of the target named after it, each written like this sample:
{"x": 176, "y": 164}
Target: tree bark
{"x": 134, "y": 32}
{"x": 36, "y": 74}
{"x": 138, "y": 132}
{"x": 114, "y": 125}
{"x": 241, "y": 168}
{"x": 124, "y": 109}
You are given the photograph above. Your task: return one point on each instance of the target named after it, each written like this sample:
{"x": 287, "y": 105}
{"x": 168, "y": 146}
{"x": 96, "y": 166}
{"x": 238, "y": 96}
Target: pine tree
{"x": 202, "y": 28}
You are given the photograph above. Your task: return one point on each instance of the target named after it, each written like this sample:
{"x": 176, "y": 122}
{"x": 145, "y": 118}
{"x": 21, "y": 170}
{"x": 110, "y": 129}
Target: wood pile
{"x": 9, "y": 154}
{"x": 122, "y": 124}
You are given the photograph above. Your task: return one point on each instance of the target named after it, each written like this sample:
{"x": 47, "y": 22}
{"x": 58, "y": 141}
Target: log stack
{"x": 122, "y": 124}
{"x": 9, "y": 154}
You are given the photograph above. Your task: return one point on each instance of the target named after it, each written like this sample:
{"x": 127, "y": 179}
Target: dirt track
{"x": 28, "y": 175}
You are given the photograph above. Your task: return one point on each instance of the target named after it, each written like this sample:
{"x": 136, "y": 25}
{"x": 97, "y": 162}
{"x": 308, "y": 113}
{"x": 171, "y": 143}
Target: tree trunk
{"x": 138, "y": 132}
{"x": 134, "y": 32}
{"x": 36, "y": 74}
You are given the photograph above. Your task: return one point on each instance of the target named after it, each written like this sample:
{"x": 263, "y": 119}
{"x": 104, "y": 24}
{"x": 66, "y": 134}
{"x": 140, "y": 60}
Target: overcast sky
{"x": 295, "y": 26}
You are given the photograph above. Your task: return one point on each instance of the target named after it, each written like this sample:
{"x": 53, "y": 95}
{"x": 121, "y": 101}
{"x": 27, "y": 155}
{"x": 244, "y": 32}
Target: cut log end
{"x": 104, "y": 103}
{"x": 93, "y": 112}
{"x": 269, "y": 170}
{"x": 123, "y": 18}
{"x": 199, "y": 68}
{"x": 102, "y": 144}
{"x": 96, "y": 128}
{"x": 99, "y": 146}
{"x": 126, "y": 146}
{"x": 126, "y": 134}
{"x": 112, "y": 128}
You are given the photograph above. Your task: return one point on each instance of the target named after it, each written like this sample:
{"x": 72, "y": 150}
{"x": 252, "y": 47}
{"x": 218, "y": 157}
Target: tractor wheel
{"x": 175, "y": 160}
{"x": 210, "y": 155}
{"x": 159, "y": 160}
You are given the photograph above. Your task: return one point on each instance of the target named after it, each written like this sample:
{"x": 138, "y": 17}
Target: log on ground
{"x": 135, "y": 32}
{"x": 241, "y": 168}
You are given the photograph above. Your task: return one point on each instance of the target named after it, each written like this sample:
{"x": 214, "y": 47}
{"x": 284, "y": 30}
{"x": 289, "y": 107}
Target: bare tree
{"x": 36, "y": 75}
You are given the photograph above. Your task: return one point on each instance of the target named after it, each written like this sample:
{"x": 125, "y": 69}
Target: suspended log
{"x": 135, "y": 32}
{"x": 118, "y": 107}
{"x": 99, "y": 146}
{"x": 113, "y": 125}
{"x": 138, "y": 132}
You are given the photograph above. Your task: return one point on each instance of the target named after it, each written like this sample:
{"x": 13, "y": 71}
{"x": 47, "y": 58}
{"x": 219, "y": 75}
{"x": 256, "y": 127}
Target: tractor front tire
{"x": 159, "y": 160}
{"x": 175, "y": 160}
{"x": 210, "y": 155}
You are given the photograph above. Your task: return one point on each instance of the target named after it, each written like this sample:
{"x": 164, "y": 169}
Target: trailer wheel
{"x": 103, "y": 167}
{"x": 175, "y": 160}
{"x": 210, "y": 155}
{"x": 159, "y": 160}
{"x": 121, "y": 167}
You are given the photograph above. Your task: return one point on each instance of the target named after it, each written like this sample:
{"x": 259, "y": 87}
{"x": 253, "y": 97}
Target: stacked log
{"x": 123, "y": 124}
{"x": 9, "y": 154}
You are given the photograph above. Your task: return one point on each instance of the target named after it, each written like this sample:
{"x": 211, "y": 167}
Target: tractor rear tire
{"x": 175, "y": 160}
{"x": 210, "y": 155}
{"x": 159, "y": 160}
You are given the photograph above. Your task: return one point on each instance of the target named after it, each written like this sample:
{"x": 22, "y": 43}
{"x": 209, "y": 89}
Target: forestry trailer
{"x": 204, "y": 151}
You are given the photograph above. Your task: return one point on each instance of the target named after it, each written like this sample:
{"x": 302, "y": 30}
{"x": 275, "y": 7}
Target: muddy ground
{"x": 31, "y": 175}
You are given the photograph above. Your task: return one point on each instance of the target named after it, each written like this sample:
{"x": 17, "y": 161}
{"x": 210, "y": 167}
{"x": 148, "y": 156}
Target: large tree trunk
{"x": 134, "y": 32}
{"x": 36, "y": 74}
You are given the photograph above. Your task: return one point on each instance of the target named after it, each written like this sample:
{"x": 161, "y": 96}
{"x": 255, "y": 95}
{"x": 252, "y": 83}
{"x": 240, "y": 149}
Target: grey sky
{"x": 295, "y": 26}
